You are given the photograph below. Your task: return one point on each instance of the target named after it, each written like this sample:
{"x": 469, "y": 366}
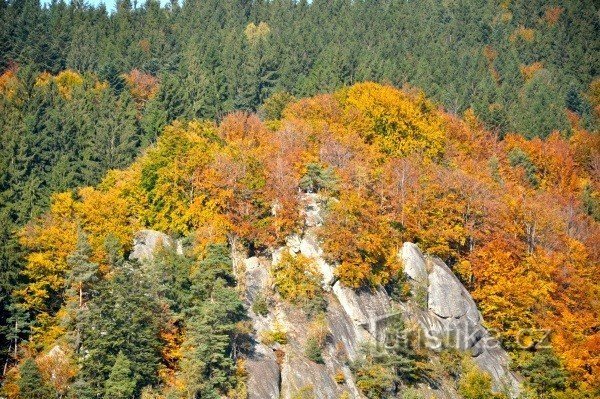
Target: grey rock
{"x": 414, "y": 263}
{"x": 299, "y": 373}
{"x": 446, "y": 295}
{"x": 263, "y": 373}
{"x": 368, "y": 310}
{"x": 452, "y": 318}
{"x": 146, "y": 242}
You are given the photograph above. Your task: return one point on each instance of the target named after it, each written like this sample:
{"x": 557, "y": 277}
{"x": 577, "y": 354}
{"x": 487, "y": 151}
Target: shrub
{"x": 412, "y": 393}
{"x": 339, "y": 377}
{"x": 297, "y": 279}
{"x": 318, "y": 178}
{"x": 313, "y": 350}
{"x": 260, "y": 306}
{"x": 306, "y": 392}
{"x": 544, "y": 372}
{"x": 277, "y": 334}
{"x": 420, "y": 295}
{"x": 518, "y": 158}
{"x": 476, "y": 384}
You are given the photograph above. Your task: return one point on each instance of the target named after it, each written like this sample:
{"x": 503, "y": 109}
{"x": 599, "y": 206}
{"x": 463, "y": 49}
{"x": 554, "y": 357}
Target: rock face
{"x": 446, "y": 313}
{"x": 146, "y": 242}
{"x": 440, "y": 306}
{"x": 452, "y": 318}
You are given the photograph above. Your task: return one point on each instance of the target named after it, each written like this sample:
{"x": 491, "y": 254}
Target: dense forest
{"x": 205, "y": 119}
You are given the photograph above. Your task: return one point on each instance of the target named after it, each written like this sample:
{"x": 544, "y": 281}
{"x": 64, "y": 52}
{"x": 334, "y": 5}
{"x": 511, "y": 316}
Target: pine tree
{"x": 122, "y": 318}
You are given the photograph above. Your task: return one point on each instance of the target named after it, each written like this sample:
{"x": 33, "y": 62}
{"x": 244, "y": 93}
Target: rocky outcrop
{"x": 441, "y": 307}
{"x": 146, "y": 242}
{"x": 451, "y": 317}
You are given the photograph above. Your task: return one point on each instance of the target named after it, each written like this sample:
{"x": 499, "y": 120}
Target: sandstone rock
{"x": 355, "y": 317}
{"x": 452, "y": 318}
{"x": 312, "y": 210}
{"x": 445, "y": 294}
{"x": 298, "y": 373}
{"x": 293, "y": 243}
{"x": 447, "y": 297}
{"x": 309, "y": 247}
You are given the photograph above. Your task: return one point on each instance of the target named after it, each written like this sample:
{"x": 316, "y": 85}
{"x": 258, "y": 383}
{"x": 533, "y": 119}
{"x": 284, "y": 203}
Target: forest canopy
{"x": 470, "y": 128}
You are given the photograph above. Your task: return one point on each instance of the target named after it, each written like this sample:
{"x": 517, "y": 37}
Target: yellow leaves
{"x": 361, "y": 241}
{"x": 104, "y": 213}
{"x": 296, "y": 278}
{"x": 529, "y": 71}
{"x": 522, "y": 33}
{"x": 255, "y": 33}
{"x": 66, "y": 81}
{"x": 594, "y": 95}
{"x": 398, "y": 123}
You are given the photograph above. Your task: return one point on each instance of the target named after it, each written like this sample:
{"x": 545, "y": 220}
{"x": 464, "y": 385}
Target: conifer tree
{"x": 120, "y": 383}
{"x": 82, "y": 272}
{"x": 31, "y": 384}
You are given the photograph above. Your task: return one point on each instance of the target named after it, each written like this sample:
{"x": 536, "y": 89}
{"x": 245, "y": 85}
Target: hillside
{"x": 343, "y": 182}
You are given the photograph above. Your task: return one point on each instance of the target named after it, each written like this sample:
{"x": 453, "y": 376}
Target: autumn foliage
{"x": 514, "y": 218}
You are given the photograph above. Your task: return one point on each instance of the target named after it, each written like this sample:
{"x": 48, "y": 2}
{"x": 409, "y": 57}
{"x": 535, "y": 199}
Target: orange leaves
{"x": 552, "y": 14}
{"x": 510, "y": 215}
{"x": 361, "y": 241}
{"x": 529, "y": 71}
{"x": 142, "y": 86}
{"x": 9, "y": 82}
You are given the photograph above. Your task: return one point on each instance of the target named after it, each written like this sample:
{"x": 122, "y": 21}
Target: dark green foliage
{"x": 380, "y": 369}
{"x": 120, "y": 383}
{"x": 82, "y": 273}
{"x": 313, "y": 350}
{"x": 399, "y": 288}
{"x": 463, "y": 54}
{"x": 123, "y": 318}
{"x": 518, "y": 158}
{"x": 260, "y": 306}
{"x": 50, "y": 144}
{"x": 274, "y": 105}
{"x": 540, "y": 108}
{"x": 31, "y": 385}
{"x": 208, "y": 363}
{"x": 591, "y": 203}
{"x": 544, "y": 373}
{"x": 318, "y": 178}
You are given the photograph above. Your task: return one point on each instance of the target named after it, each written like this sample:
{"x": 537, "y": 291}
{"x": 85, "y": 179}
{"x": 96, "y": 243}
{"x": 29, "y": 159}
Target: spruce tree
{"x": 120, "y": 383}
{"x": 31, "y": 384}
{"x": 83, "y": 273}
